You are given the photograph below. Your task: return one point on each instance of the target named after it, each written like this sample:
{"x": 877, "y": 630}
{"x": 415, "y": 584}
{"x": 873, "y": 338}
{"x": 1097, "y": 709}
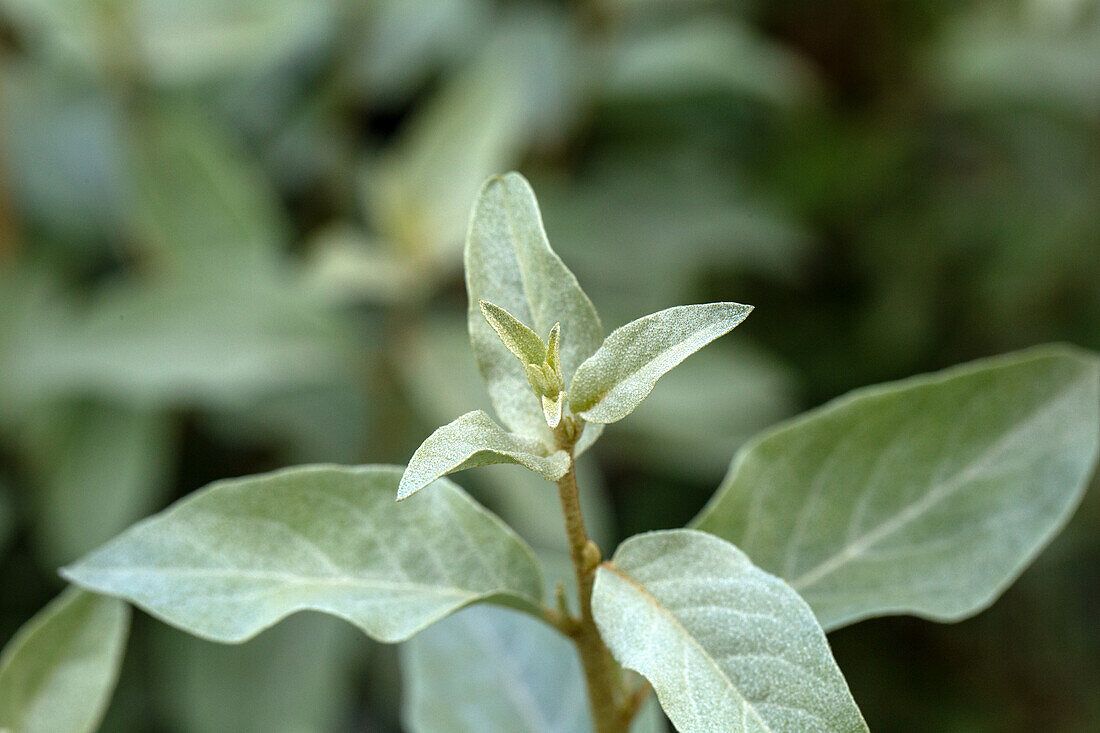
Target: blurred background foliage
{"x": 230, "y": 240}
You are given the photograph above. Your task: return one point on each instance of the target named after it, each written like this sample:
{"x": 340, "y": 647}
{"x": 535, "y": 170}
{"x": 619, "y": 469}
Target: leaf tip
{"x": 407, "y": 486}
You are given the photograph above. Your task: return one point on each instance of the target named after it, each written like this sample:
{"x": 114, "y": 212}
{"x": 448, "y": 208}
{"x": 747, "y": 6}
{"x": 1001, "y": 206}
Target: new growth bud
{"x": 541, "y": 361}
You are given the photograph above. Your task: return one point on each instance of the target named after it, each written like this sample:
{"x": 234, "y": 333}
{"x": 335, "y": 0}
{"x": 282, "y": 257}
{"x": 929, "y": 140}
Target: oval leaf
{"x": 614, "y": 381}
{"x": 58, "y": 672}
{"x": 475, "y": 440}
{"x": 489, "y": 670}
{"x": 238, "y": 556}
{"x": 725, "y": 645}
{"x": 926, "y": 496}
{"x": 509, "y": 262}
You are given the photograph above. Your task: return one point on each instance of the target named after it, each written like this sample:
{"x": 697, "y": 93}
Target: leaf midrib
{"x": 919, "y": 508}
{"x": 616, "y": 383}
{"x": 298, "y": 580}
{"x": 650, "y": 598}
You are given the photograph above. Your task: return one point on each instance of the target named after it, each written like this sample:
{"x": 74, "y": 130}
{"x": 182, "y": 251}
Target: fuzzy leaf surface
{"x": 926, "y": 496}
{"x": 611, "y": 383}
{"x": 509, "y": 262}
{"x": 725, "y": 645}
{"x": 524, "y": 343}
{"x": 58, "y": 672}
{"x": 491, "y": 670}
{"x": 475, "y": 440}
{"x": 236, "y": 557}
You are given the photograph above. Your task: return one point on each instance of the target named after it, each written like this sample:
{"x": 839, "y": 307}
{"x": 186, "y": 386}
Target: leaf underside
{"x": 492, "y": 670}
{"x": 238, "y": 556}
{"x": 475, "y": 440}
{"x": 725, "y": 645}
{"x": 58, "y": 672}
{"x": 926, "y": 496}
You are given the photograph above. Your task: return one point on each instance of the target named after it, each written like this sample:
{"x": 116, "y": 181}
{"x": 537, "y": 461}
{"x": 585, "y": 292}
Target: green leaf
{"x": 493, "y": 671}
{"x": 705, "y": 409}
{"x": 510, "y": 263}
{"x": 553, "y": 348}
{"x": 239, "y": 555}
{"x": 419, "y": 191}
{"x": 725, "y": 645}
{"x": 926, "y": 496}
{"x": 475, "y": 440}
{"x": 524, "y": 343}
{"x": 611, "y": 383}
{"x": 97, "y": 469}
{"x": 203, "y": 41}
{"x": 406, "y": 41}
{"x": 58, "y": 671}
{"x": 213, "y": 342}
{"x": 63, "y": 146}
{"x": 250, "y": 688}
{"x": 650, "y": 718}
{"x": 201, "y": 207}
{"x": 705, "y": 55}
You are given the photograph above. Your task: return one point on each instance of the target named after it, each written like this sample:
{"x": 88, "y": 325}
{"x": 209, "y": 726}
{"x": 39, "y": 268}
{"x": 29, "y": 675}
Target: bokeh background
{"x": 230, "y": 241}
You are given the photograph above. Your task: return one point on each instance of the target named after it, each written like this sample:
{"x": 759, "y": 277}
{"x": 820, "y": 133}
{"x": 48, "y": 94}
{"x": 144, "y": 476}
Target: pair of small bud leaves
{"x": 541, "y": 360}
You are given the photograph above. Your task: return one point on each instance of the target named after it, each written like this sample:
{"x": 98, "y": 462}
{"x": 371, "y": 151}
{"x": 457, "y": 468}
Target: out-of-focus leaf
{"x": 201, "y": 207}
{"x": 65, "y": 31}
{"x": 180, "y": 342}
{"x": 496, "y": 671}
{"x": 704, "y": 55}
{"x": 683, "y": 219}
{"x": 34, "y": 315}
{"x": 927, "y": 496}
{"x": 345, "y": 266}
{"x": 650, "y": 719}
{"x": 184, "y": 43}
{"x": 219, "y": 324}
{"x": 63, "y": 147}
{"x": 704, "y": 410}
{"x": 475, "y": 440}
{"x": 531, "y": 506}
{"x": 323, "y": 424}
{"x": 407, "y": 39}
{"x": 419, "y": 193}
{"x": 174, "y": 43}
{"x": 623, "y": 371}
{"x": 441, "y": 388}
{"x": 509, "y": 262}
{"x": 58, "y": 671}
{"x": 235, "y": 558}
{"x": 493, "y": 670}
{"x": 725, "y": 645}
{"x": 98, "y": 469}
{"x": 990, "y": 58}
{"x": 252, "y": 687}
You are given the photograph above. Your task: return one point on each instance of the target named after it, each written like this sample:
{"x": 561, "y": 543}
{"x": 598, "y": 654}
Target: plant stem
{"x": 606, "y": 696}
